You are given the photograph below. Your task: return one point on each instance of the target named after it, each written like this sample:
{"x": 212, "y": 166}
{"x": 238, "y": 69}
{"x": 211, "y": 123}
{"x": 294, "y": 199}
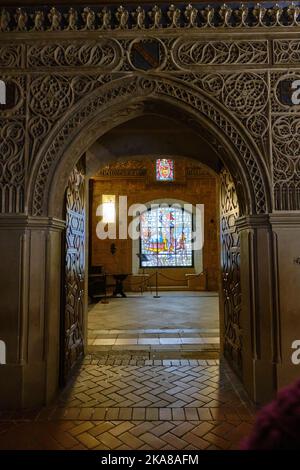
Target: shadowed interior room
{"x": 149, "y": 225}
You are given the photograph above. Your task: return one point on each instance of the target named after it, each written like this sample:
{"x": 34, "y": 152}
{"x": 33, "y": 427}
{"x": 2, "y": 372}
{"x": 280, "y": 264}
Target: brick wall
{"x": 136, "y": 180}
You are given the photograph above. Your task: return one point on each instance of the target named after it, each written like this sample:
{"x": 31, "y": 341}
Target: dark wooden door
{"x": 230, "y": 266}
{"x": 72, "y": 325}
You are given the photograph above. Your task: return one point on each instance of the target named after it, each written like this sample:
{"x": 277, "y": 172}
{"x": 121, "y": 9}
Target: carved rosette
{"x": 11, "y": 56}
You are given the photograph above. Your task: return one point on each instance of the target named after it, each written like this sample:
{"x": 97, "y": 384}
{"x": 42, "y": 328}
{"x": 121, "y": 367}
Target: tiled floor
{"x": 152, "y": 380}
{"x": 173, "y": 310}
{"x": 182, "y": 339}
{"x": 120, "y": 402}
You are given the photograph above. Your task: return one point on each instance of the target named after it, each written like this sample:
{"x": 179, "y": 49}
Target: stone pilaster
{"x": 259, "y": 319}
{"x": 30, "y": 309}
{"x": 286, "y": 237}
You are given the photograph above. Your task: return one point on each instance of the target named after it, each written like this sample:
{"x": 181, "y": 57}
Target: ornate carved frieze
{"x": 52, "y": 19}
{"x": 106, "y": 54}
{"x": 152, "y": 53}
{"x": 192, "y": 52}
{"x": 131, "y": 168}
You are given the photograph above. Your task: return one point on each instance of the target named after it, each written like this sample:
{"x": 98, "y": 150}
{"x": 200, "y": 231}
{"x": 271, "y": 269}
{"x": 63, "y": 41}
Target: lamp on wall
{"x": 109, "y": 208}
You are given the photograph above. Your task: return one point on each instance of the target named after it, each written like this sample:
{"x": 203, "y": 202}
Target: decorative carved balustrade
{"x": 87, "y": 18}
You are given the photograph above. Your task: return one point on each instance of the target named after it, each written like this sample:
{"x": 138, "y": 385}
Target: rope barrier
{"x": 143, "y": 281}
{"x": 146, "y": 280}
{"x": 181, "y": 280}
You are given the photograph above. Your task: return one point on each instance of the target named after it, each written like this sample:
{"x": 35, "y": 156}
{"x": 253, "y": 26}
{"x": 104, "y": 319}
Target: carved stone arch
{"x": 123, "y": 99}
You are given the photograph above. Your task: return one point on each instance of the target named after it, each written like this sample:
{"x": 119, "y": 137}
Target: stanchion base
{"x": 156, "y": 297}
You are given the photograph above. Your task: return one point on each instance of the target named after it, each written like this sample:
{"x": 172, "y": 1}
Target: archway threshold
{"x": 177, "y": 325}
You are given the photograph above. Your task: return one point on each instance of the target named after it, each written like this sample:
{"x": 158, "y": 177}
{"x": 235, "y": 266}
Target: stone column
{"x": 286, "y": 234}
{"x": 30, "y": 278}
{"x": 259, "y": 314}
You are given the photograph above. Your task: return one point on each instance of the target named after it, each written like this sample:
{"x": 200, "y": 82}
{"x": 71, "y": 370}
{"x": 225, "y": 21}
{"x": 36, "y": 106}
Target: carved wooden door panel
{"x": 230, "y": 270}
{"x": 73, "y": 288}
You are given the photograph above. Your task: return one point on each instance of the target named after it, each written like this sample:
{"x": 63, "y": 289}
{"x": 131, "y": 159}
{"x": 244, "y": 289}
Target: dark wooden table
{"x": 119, "y": 288}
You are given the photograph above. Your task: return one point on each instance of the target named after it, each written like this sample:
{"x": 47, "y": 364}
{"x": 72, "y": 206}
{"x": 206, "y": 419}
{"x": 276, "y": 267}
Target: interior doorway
{"x": 130, "y": 139}
{"x": 186, "y": 310}
{"x": 171, "y": 284}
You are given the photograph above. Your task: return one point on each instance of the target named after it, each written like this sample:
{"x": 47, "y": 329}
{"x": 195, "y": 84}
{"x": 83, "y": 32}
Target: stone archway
{"x": 75, "y": 76}
{"x": 123, "y": 99}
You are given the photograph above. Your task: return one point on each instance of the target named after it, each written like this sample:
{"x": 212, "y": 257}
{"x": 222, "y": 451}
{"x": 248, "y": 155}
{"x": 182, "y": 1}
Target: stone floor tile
{"x": 191, "y": 414}
{"x": 142, "y": 428}
{"x": 121, "y": 428}
{"x": 152, "y": 414}
{"x": 82, "y": 427}
{"x": 87, "y": 440}
{"x": 109, "y": 440}
{"x": 203, "y": 429}
{"x": 99, "y": 413}
{"x": 174, "y": 441}
{"x": 178, "y": 414}
{"x": 217, "y": 440}
{"x": 182, "y": 429}
{"x": 132, "y": 441}
{"x": 162, "y": 429}
{"x": 153, "y": 441}
{"x": 165, "y": 414}
{"x": 195, "y": 441}
{"x": 101, "y": 428}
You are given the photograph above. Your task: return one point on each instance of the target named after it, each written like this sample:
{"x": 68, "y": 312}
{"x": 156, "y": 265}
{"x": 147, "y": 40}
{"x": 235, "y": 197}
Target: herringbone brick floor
{"x": 121, "y": 404}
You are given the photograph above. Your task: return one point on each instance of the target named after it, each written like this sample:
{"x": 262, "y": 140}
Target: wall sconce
{"x": 113, "y": 248}
{"x": 109, "y": 208}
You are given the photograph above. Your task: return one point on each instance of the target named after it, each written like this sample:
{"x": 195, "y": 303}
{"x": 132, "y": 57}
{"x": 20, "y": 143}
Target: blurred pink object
{"x": 277, "y": 425}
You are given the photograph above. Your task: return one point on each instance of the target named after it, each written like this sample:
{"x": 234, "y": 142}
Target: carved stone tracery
{"x": 190, "y": 53}
{"x": 136, "y": 87}
{"x": 106, "y": 54}
{"x": 77, "y": 67}
{"x": 12, "y": 166}
{"x": 252, "y": 97}
{"x": 244, "y": 94}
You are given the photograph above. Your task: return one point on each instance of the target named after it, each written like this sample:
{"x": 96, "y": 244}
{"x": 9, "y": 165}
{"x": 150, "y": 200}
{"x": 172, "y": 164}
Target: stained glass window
{"x": 166, "y": 237}
{"x": 164, "y": 170}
